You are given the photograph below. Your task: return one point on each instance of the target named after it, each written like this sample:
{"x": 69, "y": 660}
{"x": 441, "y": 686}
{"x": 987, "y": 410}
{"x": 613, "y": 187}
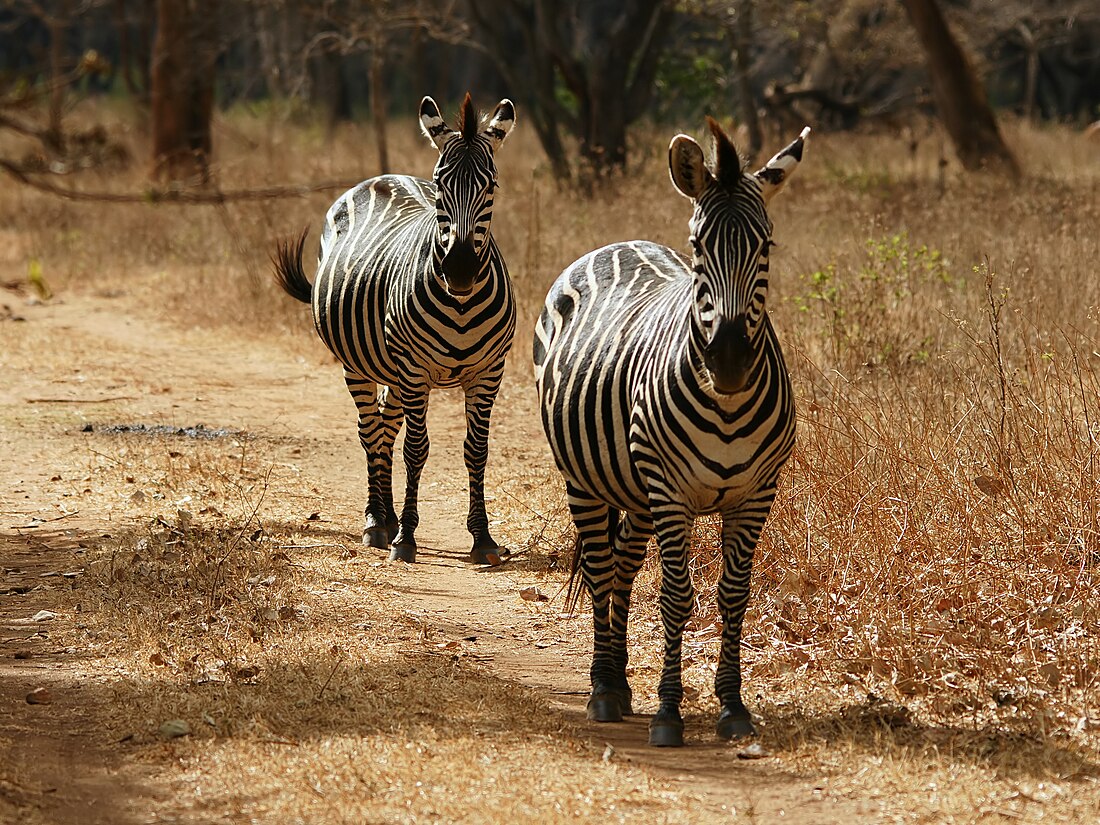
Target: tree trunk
{"x": 329, "y": 90}
{"x": 741, "y": 34}
{"x": 959, "y": 96}
{"x": 184, "y": 56}
{"x": 378, "y": 105}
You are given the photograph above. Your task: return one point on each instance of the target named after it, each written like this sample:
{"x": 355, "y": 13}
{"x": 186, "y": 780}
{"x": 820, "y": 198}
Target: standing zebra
{"x": 411, "y": 294}
{"x": 664, "y": 396}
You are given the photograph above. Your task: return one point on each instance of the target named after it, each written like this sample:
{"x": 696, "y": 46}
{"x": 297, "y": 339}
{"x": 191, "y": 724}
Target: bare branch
{"x": 155, "y": 195}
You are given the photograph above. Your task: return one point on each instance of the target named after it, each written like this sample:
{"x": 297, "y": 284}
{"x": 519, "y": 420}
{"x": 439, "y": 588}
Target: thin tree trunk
{"x": 1031, "y": 80}
{"x": 959, "y": 96}
{"x": 184, "y": 56}
{"x": 378, "y": 106}
{"x": 741, "y": 32}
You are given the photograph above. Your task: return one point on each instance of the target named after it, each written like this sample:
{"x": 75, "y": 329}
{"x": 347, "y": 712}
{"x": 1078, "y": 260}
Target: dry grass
{"x": 924, "y": 620}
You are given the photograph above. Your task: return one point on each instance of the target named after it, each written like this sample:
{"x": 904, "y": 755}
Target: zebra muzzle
{"x": 461, "y": 266}
{"x": 728, "y": 355}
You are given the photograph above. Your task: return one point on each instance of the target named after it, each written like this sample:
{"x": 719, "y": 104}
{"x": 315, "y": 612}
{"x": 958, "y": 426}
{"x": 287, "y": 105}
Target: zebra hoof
{"x": 376, "y": 537}
{"x": 666, "y": 733}
{"x": 403, "y": 552}
{"x": 735, "y": 725}
{"x": 605, "y": 707}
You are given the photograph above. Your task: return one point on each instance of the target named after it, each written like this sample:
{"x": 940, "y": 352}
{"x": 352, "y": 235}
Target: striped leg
{"x": 479, "y": 408}
{"x": 673, "y": 526}
{"x": 595, "y": 522}
{"x": 379, "y": 421}
{"x": 740, "y": 533}
{"x": 415, "y": 404}
{"x": 630, "y": 546}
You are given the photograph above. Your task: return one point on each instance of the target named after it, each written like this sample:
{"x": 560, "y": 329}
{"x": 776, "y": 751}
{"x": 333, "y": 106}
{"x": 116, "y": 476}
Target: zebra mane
{"x": 727, "y": 161}
{"x": 468, "y": 119}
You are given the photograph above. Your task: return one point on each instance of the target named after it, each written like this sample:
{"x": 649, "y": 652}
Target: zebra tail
{"x": 288, "y": 269}
{"x": 575, "y": 590}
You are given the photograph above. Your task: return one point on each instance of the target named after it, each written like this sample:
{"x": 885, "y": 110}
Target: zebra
{"x": 664, "y": 395}
{"x": 412, "y": 293}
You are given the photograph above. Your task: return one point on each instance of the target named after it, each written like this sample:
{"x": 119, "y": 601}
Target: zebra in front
{"x": 664, "y": 396}
{"x": 411, "y": 294}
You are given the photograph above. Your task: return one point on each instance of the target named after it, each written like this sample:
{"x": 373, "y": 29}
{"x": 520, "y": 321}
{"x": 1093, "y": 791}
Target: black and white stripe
{"x": 411, "y": 294}
{"x": 664, "y": 396}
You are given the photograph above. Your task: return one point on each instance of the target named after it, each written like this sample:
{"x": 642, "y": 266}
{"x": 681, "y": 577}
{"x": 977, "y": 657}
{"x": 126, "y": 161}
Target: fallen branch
{"x": 79, "y": 400}
{"x": 187, "y": 196}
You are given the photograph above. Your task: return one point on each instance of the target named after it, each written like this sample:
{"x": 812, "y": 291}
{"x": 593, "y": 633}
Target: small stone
{"x": 753, "y": 751}
{"x": 43, "y": 616}
{"x": 174, "y": 728}
{"x": 39, "y": 696}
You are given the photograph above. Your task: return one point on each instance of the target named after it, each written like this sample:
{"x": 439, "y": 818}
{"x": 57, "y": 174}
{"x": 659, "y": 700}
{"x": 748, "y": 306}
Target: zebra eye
{"x": 696, "y": 247}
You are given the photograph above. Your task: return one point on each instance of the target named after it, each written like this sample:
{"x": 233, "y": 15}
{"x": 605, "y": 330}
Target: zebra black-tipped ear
{"x": 727, "y": 163}
{"x": 432, "y": 125}
{"x": 779, "y": 169}
{"x": 686, "y": 168}
{"x": 504, "y": 118}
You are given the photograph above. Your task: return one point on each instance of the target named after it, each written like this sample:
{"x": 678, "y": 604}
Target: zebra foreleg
{"x": 389, "y": 407}
{"x": 479, "y": 408}
{"x": 666, "y": 728}
{"x": 403, "y": 547}
{"x": 629, "y": 553}
{"x": 740, "y": 533}
{"x": 376, "y": 434}
{"x": 594, "y": 521}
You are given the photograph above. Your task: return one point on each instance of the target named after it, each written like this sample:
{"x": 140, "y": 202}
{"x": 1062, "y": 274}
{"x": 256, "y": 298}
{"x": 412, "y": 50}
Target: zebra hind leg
{"x": 631, "y": 539}
{"x": 479, "y": 408}
{"x": 595, "y": 526}
{"x": 377, "y": 430}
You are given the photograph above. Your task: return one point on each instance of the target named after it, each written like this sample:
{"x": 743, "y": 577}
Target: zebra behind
{"x": 411, "y": 293}
{"x": 664, "y": 396}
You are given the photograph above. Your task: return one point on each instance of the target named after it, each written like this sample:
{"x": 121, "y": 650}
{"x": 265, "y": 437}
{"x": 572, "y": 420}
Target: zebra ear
{"x": 777, "y": 170}
{"x": 432, "y": 125}
{"x": 686, "y": 168}
{"x": 504, "y": 118}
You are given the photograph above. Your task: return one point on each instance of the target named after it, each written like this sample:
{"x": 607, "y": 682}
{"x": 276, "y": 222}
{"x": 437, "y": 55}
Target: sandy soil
{"x": 96, "y": 359}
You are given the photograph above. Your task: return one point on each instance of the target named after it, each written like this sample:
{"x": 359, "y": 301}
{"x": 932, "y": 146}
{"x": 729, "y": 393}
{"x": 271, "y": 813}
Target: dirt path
{"x": 90, "y": 359}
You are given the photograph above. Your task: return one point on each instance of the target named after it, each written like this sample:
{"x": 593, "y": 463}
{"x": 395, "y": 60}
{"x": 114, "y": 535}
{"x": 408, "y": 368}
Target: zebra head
{"x": 465, "y": 180}
{"x": 730, "y": 237}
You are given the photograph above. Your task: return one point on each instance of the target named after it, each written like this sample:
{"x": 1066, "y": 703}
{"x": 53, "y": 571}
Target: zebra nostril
{"x": 461, "y": 266}
{"x": 728, "y": 354}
